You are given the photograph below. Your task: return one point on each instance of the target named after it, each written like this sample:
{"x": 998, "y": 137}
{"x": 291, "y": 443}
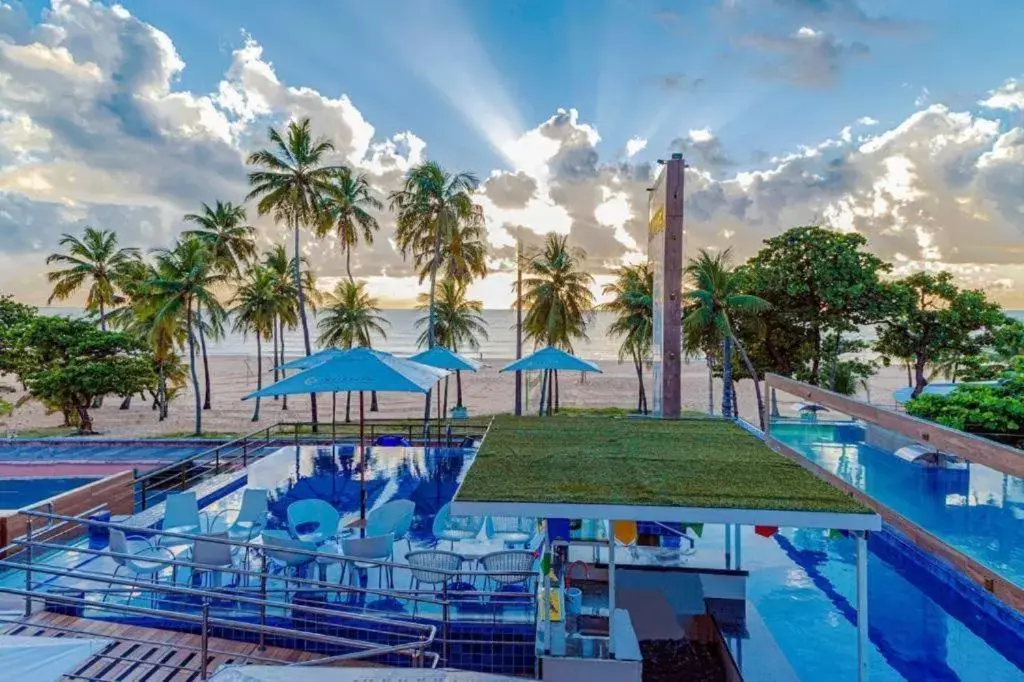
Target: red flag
{"x": 766, "y": 531}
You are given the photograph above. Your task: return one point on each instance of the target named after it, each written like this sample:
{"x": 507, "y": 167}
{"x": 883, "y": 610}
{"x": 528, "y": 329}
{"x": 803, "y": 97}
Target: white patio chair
{"x": 394, "y": 517}
{"x": 452, "y": 528}
{"x": 181, "y": 515}
{"x": 373, "y": 550}
{"x": 136, "y": 564}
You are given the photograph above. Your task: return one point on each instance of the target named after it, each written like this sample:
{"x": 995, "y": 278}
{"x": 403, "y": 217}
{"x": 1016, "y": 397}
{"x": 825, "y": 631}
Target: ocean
{"x": 403, "y": 332}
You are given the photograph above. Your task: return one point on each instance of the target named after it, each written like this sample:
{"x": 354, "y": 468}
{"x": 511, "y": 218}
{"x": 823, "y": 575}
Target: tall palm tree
{"x": 459, "y": 323}
{"x": 716, "y": 295}
{"x": 558, "y": 301}
{"x": 95, "y": 259}
{"x": 351, "y": 318}
{"x": 225, "y": 230}
{"x": 290, "y": 180}
{"x": 348, "y": 213}
{"x": 434, "y": 207}
{"x": 255, "y": 310}
{"x": 184, "y": 280}
{"x": 632, "y": 294}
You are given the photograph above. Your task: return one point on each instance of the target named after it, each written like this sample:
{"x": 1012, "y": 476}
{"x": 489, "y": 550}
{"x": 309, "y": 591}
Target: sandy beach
{"x": 485, "y": 392}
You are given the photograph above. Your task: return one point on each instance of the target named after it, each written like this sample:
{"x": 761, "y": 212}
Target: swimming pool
{"x": 978, "y": 511}
{"x": 16, "y": 493}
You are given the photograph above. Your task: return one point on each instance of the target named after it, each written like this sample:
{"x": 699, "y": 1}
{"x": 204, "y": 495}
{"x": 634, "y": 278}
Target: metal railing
{"x": 234, "y": 455}
{"x": 250, "y": 605}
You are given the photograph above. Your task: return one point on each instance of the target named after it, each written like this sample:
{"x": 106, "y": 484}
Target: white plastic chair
{"x": 320, "y": 515}
{"x": 211, "y": 556}
{"x": 276, "y": 548}
{"x": 137, "y": 564}
{"x": 181, "y": 515}
{"x": 394, "y": 517}
{"x": 373, "y": 549}
{"x": 452, "y": 528}
{"x": 250, "y": 518}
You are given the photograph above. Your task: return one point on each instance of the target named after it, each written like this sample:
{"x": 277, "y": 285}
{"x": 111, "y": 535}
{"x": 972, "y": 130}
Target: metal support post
{"x": 862, "y": 606}
{"x": 611, "y": 590}
{"x": 739, "y": 547}
{"x": 728, "y": 546}
{"x": 204, "y": 639}
{"x": 28, "y": 566}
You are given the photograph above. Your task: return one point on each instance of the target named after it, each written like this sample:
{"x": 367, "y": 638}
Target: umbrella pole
{"x": 362, "y": 464}
{"x": 334, "y": 419}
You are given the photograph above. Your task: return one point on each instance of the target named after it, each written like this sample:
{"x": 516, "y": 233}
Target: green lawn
{"x": 615, "y": 460}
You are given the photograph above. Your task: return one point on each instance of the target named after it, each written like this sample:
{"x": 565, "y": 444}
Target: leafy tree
{"x": 932, "y": 319}
{"x": 459, "y": 324}
{"x": 818, "y": 281}
{"x": 96, "y": 260}
{"x": 632, "y": 295}
{"x": 255, "y": 310}
{"x": 184, "y": 280}
{"x": 290, "y": 181}
{"x": 13, "y": 317}
{"x": 224, "y": 229}
{"x": 845, "y": 365}
{"x": 351, "y": 319}
{"x": 557, "y": 300}
{"x": 716, "y": 295}
{"x": 348, "y": 213}
{"x": 280, "y": 266}
{"x": 70, "y": 362}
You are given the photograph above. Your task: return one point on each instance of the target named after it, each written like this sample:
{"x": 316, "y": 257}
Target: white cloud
{"x": 1009, "y": 96}
{"x": 867, "y": 121}
{"x": 635, "y": 145}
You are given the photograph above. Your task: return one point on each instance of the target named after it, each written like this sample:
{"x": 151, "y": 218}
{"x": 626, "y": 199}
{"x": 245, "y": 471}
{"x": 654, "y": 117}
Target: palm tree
{"x": 558, "y": 301}
{"x": 715, "y": 296}
{"x": 290, "y": 181}
{"x": 459, "y": 323}
{"x": 225, "y": 231}
{"x": 184, "y": 280}
{"x": 255, "y": 310}
{"x": 348, "y": 216}
{"x": 632, "y": 294}
{"x": 351, "y": 318}
{"x": 96, "y": 259}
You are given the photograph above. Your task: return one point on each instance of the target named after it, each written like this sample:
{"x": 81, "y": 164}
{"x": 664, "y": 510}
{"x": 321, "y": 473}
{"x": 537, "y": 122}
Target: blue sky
{"x": 776, "y": 104}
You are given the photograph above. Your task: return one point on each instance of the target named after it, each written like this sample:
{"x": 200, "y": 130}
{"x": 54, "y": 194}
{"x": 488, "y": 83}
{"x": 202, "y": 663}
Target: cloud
{"x": 867, "y": 121}
{"x": 1009, "y": 96}
{"x": 700, "y": 146}
{"x": 677, "y": 82}
{"x": 808, "y": 58}
{"x": 841, "y": 11}
{"x": 635, "y": 145}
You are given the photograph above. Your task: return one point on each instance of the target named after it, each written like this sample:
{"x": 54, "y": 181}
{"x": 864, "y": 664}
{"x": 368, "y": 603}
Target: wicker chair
{"x": 508, "y": 567}
{"x": 432, "y": 567}
{"x": 513, "y": 530}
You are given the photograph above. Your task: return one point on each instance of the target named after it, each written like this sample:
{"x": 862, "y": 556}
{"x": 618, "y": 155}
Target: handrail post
{"x": 268, "y": 436}
{"x": 28, "y": 567}
{"x": 184, "y": 476}
{"x": 444, "y": 624}
{"x": 245, "y": 452}
{"x": 145, "y": 481}
{"x": 296, "y": 430}
{"x": 216, "y": 460}
{"x": 204, "y": 639}
{"x": 263, "y": 608}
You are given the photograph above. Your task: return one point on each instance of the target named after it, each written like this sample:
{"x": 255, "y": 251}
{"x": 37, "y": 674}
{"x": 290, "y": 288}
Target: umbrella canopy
{"x": 358, "y": 369}
{"x": 442, "y": 358}
{"x": 551, "y": 358}
{"x": 317, "y": 358}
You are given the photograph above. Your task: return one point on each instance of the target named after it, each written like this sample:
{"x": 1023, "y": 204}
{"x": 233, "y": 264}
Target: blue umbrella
{"x": 550, "y": 359}
{"x": 442, "y": 358}
{"x": 310, "y": 361}
{"x": 358, "y": 369}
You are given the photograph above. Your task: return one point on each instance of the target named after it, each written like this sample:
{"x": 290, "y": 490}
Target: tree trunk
{"x": 284, "y": 374}
{"x": 206, "y": 361}
{"x": 543, "y": 390}
{"x": 775, "y": 403}
{"x": 192, "y": 370}
{"x": 433, "y": 282}
{"x": 910, "y": 378}
{"x": 753, "y": 376}
{"x": 445, "y": 412}
{"x": 162, "y": 391}
{"x": 551, "y": 390}
{"x": 557, "y": 401}
{"x": 835, "y": 366}
{"x": 126, "y": 403}
{"x": 277, "y": 361}
{"x": 920, "y": 381}
{"x": 735, "y": 402}
{"x": 348, "y": 263}
{"x": 711, "y": 384}
{"x": 816, "y": 359}
{"x": 374, "y": 407}
{"x": 348, "y": 407}
{"x": 84, "y": 420}
{"x": 103, "y": 318}
{"x": 727, "y": 386}
{"x": 638, "y": 366}
{"x": 302, "y": 316}
{"x": 458, "y": 388}
{"x": 259, "y": 375}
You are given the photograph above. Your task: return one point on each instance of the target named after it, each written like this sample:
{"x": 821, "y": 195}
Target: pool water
{"x": 16, "y": 493}
{"x": 86, "y": 451}
{"x": 978, "y": 511}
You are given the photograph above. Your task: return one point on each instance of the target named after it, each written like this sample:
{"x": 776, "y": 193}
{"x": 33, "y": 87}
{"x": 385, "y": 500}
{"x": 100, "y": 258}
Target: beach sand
{"x": 485, "y": 392}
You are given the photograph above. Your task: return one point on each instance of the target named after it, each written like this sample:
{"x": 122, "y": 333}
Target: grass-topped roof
{"x": 613, "y": 460}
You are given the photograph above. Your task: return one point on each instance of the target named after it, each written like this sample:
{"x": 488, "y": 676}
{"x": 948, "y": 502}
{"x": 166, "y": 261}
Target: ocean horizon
{"x": 402, "y": 334}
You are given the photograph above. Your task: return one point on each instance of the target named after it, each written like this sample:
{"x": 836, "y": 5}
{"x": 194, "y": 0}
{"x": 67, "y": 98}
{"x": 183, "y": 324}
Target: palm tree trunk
{"x": 638, "y": 366}
{"x": 206, "y": 360}
{"x": 284, "y": 374}
{"x": 711, "y": 384}
{"x": 445, "y": 396}
{"x": 458, "y": 388}
{"x": 551, "y": 391}
{"x": 302, "y": 316}
{"x": 259, "y": 375}
{"x": 277, "y": 361}
{"x": 348, "y": 407}
{"x": 192, "y": 370}
{"x": 735, "y": 402}
{"x": 727, "y": 387}
{"x": 374, "y": 407}
{"x": 753, "y": 376}
{"x": 348, "y": 263}
{"x": 557, "y": 402}
{"x": 103, "y": 318}
{"x": 162, "y": 392}
{"x": 543, "y": 392}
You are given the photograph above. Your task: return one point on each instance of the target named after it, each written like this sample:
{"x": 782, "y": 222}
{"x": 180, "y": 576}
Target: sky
{"x": 902, "y": 120}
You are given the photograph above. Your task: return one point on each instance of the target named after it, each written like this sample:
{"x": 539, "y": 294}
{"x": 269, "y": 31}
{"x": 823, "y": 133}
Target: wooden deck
{"x": 138, "y": 654}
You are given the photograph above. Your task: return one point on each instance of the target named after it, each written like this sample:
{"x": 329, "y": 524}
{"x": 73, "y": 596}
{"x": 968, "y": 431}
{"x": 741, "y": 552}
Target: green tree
{"x": 932, "y": 319}
{"x": 557, "y": 300}
{"x": 255, "y": 310}
{"x": 351, "y": 318}
{"x": 290, "y": 181}
{"x": 435, "y": 209}
{"x": 185, "y": 278}
{"x": 818, "y": 281}
{"x": 13, "y": 317}
{"x": 96, "y": 260}
{"x": 70, "y": 362}
{"x": 348, "y": 213}
{"x": 225, "y": 230}
{"x": 459, "y": 324}
{"x": 716, "y": 295}
{"x": 632, "y": 295}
